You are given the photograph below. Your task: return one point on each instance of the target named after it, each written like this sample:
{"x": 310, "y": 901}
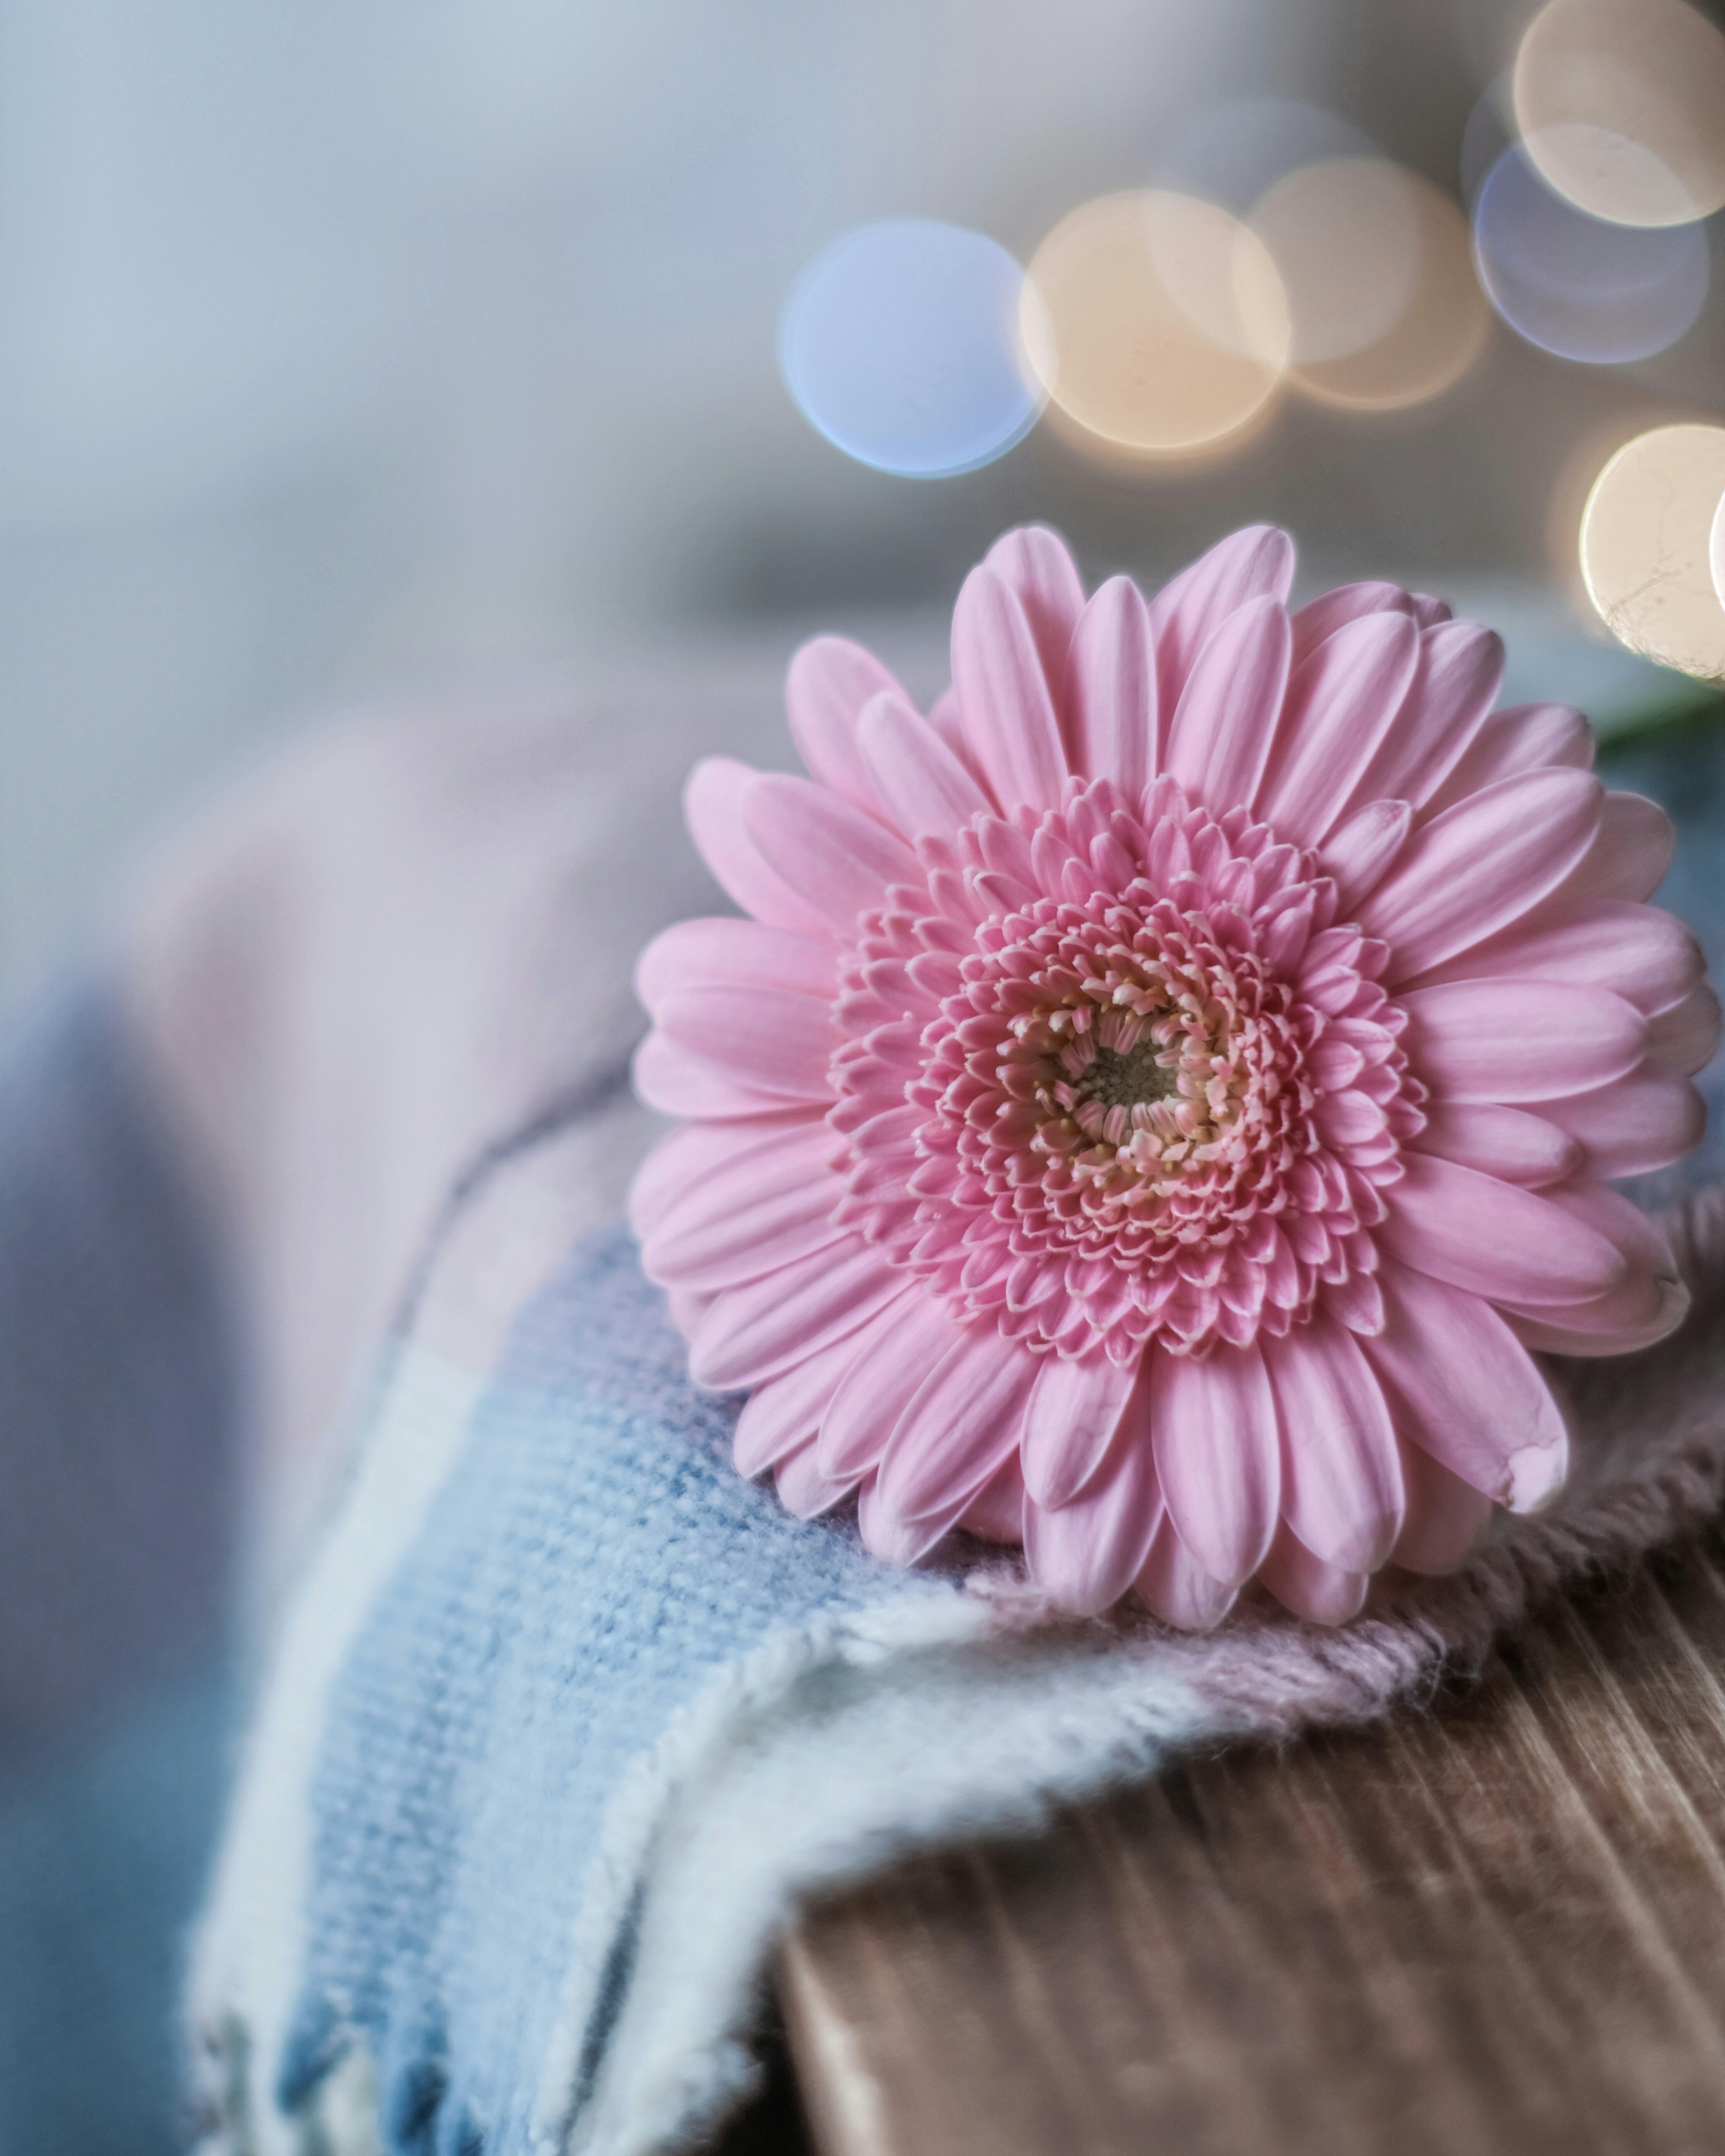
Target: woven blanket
{"x": 557, "y": 1719}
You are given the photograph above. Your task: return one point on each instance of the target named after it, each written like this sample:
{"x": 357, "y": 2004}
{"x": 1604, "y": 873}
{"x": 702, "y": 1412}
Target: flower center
{"x": 1120, "y": 1127}
{"x": 1143, "y": 1066}
{"x": 1127, "y": 1079}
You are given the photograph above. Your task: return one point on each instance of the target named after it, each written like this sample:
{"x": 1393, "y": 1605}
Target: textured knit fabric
{"x": 592, "y": 1525}
{"x": 596, "y": 1625}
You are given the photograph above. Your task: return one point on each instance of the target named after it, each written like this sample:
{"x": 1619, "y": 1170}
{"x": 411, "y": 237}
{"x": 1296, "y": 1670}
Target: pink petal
{"x": 1341, "y": 1473}
{"x": 713, "y": 807}
{"x": 830, "y": 853}
{"x": 997, "y": 1512}
{"x": 1179, "y": 1590}
{"x": 1630, "y": 855}
{"x": 1643, "y": 1121}
{"x": 1649, "y": 1301}
{"x": 895, "y": 1541}
{"x": 709, "y": 1169}
{"x": 803, "y": 1489}
{"x": 1427, "y": 611}
{"x": 1359, "y": 855}
{"x": 1187, "y": 612}
{"x": 1631, "y": 1317}
{"x": 1111, "y": 725}
{"x": 946, "y": 721}
{"x": 733, "y": 953}
{"x": 965, "y": 1418}
{"x": 904, "y": 1538}
{"x": 1073, "y": 1414}
{"x": 1462, "y": 1387}
{"x": 1493, "y": 1239}
{"x": 1010, "y": 717}
{"x": 1520, "y": 1040}
{"x": 1322, "y": 1593}
{"x": 1456, "y": 682}
{"x": 1033, "y": 564}
{"x": 783, "y": 1417}
{"x": 686, "y": 1159}
{"x": 899, "y": 1352}
{"x": 1522, "y": 738}
{"x": 875, "y": 1197}
{"x": 1644, "y": 1244}
{"x": 686, "y": 1309}
{"x": 774, "y": 1040}
{"x": 1088, "y": 1552}
{"x": 830, "y": 680}
{"x": 1350, "y": 1117}
{"x": 1506, "y": 1142}
{"x": 762, "y": 1211}
{"x": 1445, "y": 1516}
{"x": 1687, "y": 1035}
{"x": 1220, "y": 735}
{"x": 1477, "y": 867}
{"x": 1322, "y": 617}
{"x": 764, "y": 1327}
{"x": 923, "y": 786}
{"x": 1341, "y": 702}
{"x": 671, "y": 1078}
{"x": 1217, "y": 1455}
{"x": 1645, "y": 956}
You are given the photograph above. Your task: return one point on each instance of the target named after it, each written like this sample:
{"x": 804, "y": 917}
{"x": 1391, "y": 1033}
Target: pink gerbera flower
{"x": 1159, "y": 1098}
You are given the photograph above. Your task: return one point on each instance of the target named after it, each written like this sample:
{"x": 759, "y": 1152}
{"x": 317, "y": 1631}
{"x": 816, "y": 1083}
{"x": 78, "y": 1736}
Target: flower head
{"x": 1159, "y": 1099}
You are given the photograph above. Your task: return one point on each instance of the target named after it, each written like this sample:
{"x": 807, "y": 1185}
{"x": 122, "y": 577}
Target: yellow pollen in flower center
{"x": 1117, "y": 1080}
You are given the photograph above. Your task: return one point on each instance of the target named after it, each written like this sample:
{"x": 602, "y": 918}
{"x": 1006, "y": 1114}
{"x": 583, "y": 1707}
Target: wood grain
{"x": 1495, "y": 1925}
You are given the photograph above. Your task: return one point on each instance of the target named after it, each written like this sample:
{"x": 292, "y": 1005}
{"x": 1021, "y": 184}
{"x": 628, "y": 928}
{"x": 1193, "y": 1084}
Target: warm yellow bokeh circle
{"x": 1386, "y": 308}
{"x": 1157, "y": 323}
{"x": 1621, "y": 107}
{"x": 1645, "y": 536}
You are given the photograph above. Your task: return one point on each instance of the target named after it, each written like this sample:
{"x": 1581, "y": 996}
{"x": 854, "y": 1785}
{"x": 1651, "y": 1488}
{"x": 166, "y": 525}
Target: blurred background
{"x": 347, "y": 347}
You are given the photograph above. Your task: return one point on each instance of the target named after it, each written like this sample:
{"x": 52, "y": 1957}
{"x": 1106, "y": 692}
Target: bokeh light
{"x": 1578, "y": 470}
{"x": 1716, "y": 551}
{"x": 1646, "y": 538}
{"x": 1620, "y": 105}
{"x": 1345, "y": 236}
{"x": 1232, "y": 155}
{"x": 1489, "y": 132}
{"x": 1157, "y": 323}
{"x": 901, "y": 343}
{"x": 1439, "y": 334}
{"x": 1386, "y": 309}
{"x": 1577, "y": 285}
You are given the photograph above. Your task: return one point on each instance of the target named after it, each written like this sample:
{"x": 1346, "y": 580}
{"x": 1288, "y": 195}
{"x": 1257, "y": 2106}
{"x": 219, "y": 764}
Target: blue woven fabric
{"x": 593, "y": 1560}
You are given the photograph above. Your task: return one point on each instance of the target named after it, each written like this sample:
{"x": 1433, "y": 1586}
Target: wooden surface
{"x": 1497, "y": 1926}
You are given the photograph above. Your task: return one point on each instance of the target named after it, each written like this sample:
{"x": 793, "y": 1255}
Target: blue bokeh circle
{"x": 901, "y": 343}
{"x": 1576, "y": 285}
